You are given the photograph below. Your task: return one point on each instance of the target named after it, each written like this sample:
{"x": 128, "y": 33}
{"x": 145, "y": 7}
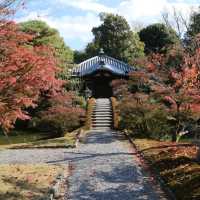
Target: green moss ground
{"x": 177, "y": 165}
{"x": 19, "y": 140}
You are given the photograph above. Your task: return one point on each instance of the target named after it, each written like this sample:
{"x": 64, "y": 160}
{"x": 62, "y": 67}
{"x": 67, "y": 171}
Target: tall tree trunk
{"x": 198, "y": 153}
{"x": 174, "y": 136}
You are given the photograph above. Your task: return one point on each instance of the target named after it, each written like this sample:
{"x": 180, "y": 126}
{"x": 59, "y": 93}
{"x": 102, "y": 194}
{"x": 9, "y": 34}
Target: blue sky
{"x": 75, "y": 18}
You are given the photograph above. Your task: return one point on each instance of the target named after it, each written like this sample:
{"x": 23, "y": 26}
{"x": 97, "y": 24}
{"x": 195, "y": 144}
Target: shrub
{"x": 144, "y": 119}
{"x": 64, "y": 113}
{"x": 115, "y": 113}
{"x": 90, "y": 106}
{"x": 59, "y": 120}
{"x": 120, "y": 88}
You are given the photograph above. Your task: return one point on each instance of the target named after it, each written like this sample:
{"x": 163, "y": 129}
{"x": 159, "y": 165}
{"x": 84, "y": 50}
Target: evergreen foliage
{"x": 194, "y": 26}
{"x": 157, "y": 37}
{"x": 115, "y": 37}
{"x": 46, "y": 36}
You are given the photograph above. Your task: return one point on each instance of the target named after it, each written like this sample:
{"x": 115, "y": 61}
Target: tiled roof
{"x": 99, "y": 63}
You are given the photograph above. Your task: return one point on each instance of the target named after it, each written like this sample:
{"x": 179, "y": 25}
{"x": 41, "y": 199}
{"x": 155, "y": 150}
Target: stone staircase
{"x": 102, "y": 116}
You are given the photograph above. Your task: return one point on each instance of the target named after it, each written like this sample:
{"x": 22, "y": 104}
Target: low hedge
{"x": 58, "y": 120}
{"x": 115, "y": 113}
{"x": 90, "y": 107}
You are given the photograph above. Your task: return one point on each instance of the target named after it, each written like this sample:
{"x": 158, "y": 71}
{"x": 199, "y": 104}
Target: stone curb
{"x": 55, "y": 191}
{"x": 156, "y": 175}
{"x": 80, "y": 137}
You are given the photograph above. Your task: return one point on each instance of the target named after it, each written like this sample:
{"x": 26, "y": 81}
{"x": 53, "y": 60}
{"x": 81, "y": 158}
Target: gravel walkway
{"x": 103, "y": 168}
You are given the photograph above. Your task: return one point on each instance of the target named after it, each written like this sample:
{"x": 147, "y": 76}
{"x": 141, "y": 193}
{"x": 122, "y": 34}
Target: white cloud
{"x": 78, "y": 28}
{"x": 133, "y": 9}
{"x": 87, "y": 5}
{"x": 75, "y": 27}
{"x": 150, "y": 11}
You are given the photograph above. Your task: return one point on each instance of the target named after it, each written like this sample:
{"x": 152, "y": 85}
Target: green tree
{"x": 194, "y": 24}
{"x": 157, "y": 37}
{"x": 116, "y": 38}
{"x": 45, "y": 35}
{"x": 79, "y": 56}
{"x": 192, "y": 35}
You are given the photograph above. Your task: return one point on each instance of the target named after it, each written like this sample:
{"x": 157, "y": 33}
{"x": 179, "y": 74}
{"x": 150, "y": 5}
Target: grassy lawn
{"x": 27, "y": 182}
{"x": 16, "y": 137}
{"x": 36, "y": 140}
{"x": 176, "y": 164}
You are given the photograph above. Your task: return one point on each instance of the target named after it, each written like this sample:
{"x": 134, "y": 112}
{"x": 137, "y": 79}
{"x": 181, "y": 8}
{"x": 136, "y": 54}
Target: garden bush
{"x": 59, "y": 120}
{"x": 64, "y": 114}
{"x": 115, "y": 113}
{"x": 90, "y": 107}
{"x": 144, "y": 119}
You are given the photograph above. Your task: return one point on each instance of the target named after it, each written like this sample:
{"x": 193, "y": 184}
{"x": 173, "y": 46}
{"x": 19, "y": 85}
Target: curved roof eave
{"x": 106, "y": 68}
{"x": 102, "y": 62}
{"x": 112, "y": 69}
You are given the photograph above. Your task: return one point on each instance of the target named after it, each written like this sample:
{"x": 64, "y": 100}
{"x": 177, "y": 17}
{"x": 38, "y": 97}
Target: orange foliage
{"x": 25, "y": 72}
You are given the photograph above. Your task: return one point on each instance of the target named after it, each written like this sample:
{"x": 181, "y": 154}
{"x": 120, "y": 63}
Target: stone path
{"x": 103, "y": 168}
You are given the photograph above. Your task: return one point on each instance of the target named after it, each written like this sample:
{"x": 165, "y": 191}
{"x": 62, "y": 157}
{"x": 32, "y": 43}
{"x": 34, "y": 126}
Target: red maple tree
{"x": 25, "y": 72}
{"x": 8, "y": 8}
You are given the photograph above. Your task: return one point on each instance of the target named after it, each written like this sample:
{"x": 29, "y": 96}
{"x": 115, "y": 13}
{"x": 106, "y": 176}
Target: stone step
{"x": 96, "y": 108}
{"x": 101, "y": 122}
{"x": 101, "y": 108}
{"x": 107, "y": 107}
{"x": 102, "y": 104}
{"x": 102, "y": 119}
{"x": 102, "y": 112}
{"x": 101, "y": 116}
{"x": 101, "y": 125}
{"x": 101, "y": 129}
{"x": 102, "y": 100}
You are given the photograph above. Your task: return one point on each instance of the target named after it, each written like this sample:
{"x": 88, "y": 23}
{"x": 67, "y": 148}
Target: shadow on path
{"x": 104, "y": 168}
{"x": 74, "y": 157}
{"x": 102, "y": 137}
